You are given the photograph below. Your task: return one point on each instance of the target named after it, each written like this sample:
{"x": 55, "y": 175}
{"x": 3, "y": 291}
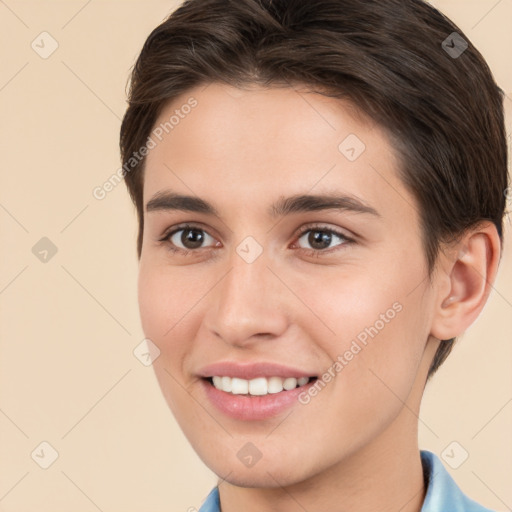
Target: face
{"x": 257, "y": 286}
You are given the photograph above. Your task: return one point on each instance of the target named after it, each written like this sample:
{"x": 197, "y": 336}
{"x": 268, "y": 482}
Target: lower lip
{"x": 251, "y": 408}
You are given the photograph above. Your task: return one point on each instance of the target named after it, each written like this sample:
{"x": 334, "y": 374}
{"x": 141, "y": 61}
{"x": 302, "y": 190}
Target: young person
{"x": 320, "y": 189}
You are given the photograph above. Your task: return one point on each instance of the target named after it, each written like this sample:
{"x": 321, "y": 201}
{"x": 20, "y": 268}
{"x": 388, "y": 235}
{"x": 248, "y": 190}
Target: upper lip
{"x": 250, "y": 371}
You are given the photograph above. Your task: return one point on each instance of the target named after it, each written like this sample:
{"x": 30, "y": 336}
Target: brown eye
{"x": 321, "y": 238}
{"x": 188, "y": 238}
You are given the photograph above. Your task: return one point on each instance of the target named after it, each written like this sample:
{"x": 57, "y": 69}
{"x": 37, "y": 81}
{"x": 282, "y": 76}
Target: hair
{"x": 390, "y": 59}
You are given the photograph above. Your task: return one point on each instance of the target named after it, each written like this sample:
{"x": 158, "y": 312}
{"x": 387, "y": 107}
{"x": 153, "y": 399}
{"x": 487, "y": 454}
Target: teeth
{"x": 226, "y": 383}
{"x": 275, "y": 385}
{"x": 260, "y": 386}
{"x": 238, "y": 386}
{"x": 290, "y": 383}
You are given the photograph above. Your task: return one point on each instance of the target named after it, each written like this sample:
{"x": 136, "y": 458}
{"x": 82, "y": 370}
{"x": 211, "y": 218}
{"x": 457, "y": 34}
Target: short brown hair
{"x": 394, "y": 60}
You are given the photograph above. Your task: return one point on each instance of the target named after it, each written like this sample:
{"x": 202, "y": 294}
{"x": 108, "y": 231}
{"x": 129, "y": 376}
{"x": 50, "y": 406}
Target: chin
{"x": 264, "y": 474}
{"x": 262, "y": 478}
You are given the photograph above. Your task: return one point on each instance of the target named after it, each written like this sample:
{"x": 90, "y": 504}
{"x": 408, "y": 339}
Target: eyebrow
{"x": 168, "y": 201}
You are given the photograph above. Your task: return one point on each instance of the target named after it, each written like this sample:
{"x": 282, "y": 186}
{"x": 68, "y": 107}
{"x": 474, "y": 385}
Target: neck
{"x": 384, "y": 476}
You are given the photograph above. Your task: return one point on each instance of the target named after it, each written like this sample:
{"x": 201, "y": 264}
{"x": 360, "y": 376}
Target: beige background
{"x": 68, "y": 375}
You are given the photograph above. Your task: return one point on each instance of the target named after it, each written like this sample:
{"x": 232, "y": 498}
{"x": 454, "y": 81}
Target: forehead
{"x": 239, "y": 146}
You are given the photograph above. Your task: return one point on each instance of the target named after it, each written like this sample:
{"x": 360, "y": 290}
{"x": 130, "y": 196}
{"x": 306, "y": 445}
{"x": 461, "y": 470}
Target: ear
{"x": 465, "y": 280}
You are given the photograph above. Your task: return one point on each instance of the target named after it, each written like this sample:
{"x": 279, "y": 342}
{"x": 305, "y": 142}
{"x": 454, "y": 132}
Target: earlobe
{"x": 468, "y": 277}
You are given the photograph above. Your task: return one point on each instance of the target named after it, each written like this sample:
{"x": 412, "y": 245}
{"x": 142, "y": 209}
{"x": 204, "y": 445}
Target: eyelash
{"x": 309, "y": 252}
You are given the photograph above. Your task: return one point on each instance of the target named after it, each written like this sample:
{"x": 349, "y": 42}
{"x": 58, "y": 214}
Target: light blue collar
{"x": 442, "y": 491}
{"x": 442, "y": 495}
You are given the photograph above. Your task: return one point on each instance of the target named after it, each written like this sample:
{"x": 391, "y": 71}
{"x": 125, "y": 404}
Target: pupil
{"x": 189, "y": 237}
{"x": 319, "y": 237}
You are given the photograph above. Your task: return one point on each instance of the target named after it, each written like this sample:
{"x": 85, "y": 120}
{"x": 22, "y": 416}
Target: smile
{"x": 256, "y": 399}
{"x": 259, "y": 386}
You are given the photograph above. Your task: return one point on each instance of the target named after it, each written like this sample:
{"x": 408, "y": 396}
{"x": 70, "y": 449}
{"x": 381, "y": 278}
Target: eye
{"x": 186, "y": 238}
{"x": 320, "y": 239}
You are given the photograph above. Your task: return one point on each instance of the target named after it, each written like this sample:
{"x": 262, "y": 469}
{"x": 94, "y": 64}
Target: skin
{"x": 354, "y": 446}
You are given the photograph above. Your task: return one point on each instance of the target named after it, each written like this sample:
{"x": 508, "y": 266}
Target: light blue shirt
{"x": 443, "y": 494}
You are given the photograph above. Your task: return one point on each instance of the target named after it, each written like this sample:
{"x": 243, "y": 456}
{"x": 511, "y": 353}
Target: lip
{"x": 253, "y": 408}
{"x": 252, "y": 370}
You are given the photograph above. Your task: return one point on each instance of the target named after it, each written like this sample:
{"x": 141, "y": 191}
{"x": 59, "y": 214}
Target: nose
{"x": 248, "y": 304}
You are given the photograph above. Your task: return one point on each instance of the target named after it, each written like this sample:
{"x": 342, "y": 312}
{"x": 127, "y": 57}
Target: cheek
{"x": 152, "y": 299}
{"x": 375, "y": 365}
{"x": 378, "y": 333}
{"x": 165, "y": 298}
{"x": 164, "y": 303}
